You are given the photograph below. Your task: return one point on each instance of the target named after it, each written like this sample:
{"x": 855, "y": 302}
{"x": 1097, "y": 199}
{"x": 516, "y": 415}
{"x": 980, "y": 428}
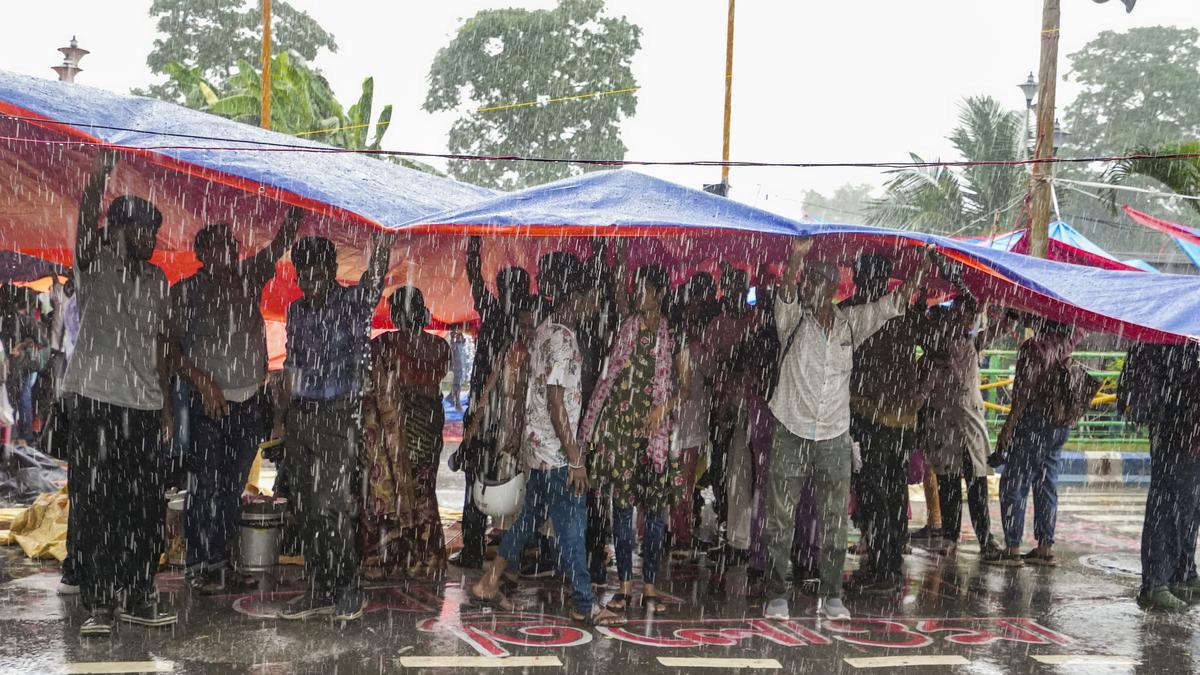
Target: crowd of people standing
{"x": 617, "y": 395}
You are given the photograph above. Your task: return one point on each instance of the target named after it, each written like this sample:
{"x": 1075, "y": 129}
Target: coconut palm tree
{"x": 960, "y": 200}
{"x": 1180, "y": 175}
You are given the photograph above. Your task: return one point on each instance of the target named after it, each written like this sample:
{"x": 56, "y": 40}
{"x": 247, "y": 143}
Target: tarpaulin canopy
{"x": 171, "y": 157}
{"x": 200, "y": 168}
{"x": 691, "y": 229}
{"x": 1066, "y": 244}
{"x": 1187, "y": 238}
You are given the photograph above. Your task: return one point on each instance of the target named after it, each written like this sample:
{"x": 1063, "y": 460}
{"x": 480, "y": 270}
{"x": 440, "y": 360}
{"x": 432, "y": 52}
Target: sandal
{"x": 618, "y": 603}
{"x": 1035, "y": 558}
{"x": 654, "y": 604}
{"x": 600, "y": 617}
{"x": 496, "y": 601}
{"x": 1002, "y": 558}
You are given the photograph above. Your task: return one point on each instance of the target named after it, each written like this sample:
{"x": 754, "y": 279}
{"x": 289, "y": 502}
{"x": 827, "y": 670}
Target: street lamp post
{"x": 1029, "y": 88}
{"x": 70, "y": 65}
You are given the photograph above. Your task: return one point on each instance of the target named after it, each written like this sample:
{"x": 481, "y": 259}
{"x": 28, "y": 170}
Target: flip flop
{"x": 654, "y": 604}
{"x": 496, "y": 601}
{"x": 1035, "y": 558}
{"x": 1003, "y": 559}
{"x": 618, "y": 603}
{"x": 600, "y": 617}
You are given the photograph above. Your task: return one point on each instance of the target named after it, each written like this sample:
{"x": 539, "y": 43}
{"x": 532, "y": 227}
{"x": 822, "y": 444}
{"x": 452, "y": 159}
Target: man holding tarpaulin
{"x": 116, "y": 381}
{"x": 812, "y": 406}
{"x": 319, "y": 419}
{"x": 218, "y": 326}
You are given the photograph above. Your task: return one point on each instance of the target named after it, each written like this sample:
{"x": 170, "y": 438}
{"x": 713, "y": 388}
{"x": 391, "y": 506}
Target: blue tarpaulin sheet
{"x": 691, "y": 226}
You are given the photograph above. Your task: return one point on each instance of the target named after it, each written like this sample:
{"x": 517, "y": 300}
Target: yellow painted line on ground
{"x": 1080, "y": 659}
{"x": 479, "y": 661}
{"x": 87, "y": 668}
{"x": 700, "y": 662}
{"x": 903, "y": 661}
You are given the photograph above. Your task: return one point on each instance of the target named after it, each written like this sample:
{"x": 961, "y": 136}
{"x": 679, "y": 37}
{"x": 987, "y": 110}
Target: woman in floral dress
{"x": 402, "y": 442}
{"x": 628, "y": 430}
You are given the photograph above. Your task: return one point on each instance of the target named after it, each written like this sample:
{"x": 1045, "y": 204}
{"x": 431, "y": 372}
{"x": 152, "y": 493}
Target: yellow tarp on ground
{"x": 41, "y": 529}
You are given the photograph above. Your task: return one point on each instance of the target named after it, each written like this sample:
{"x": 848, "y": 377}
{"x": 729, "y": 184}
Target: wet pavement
{"x": 954, "y": 615}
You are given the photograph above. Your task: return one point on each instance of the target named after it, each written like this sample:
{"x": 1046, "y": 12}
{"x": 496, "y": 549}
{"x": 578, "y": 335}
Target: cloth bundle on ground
{"x": 41, "y": 529}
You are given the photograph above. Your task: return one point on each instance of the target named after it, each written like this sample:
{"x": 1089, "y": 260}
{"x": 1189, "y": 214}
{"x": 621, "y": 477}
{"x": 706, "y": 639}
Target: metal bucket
{"x": 260, "y": 529}
{"x": 176, "y": 545}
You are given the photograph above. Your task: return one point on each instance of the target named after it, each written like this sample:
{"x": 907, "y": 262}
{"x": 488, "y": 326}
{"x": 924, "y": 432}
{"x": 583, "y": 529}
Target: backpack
{"x": 1073, "y": 390}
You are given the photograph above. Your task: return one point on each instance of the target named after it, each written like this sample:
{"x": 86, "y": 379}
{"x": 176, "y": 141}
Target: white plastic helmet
{"x": 499, "y": 499}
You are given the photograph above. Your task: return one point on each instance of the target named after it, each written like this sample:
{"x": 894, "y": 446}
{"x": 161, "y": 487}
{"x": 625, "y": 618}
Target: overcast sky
{"x": 845, "y": 80}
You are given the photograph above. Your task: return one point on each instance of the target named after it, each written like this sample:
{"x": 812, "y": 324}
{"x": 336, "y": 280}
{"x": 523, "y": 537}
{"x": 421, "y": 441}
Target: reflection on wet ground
{"x": 953, "y": 614}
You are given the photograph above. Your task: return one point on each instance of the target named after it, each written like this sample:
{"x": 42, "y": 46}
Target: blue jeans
{"x": 218, "y": 463}
{"x": 1172, "y": 516}
{"x": 547, "y": 495}
{"x": 1033, "y": 463}
{"x": 652, "y": 543}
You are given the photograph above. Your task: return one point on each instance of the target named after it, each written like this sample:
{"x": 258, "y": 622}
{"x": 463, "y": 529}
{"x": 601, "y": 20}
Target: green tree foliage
{"x": 1181, "y": 176}
{"x": 959, "y": 201}
{"x": 302, "y": 103}
{"x": 507, "y": 56}
{"x": 301, "y": 99}
{"x": 847, "y": 204}
{"x": 210, "y": 37}
{"x": 1139, "y": 89}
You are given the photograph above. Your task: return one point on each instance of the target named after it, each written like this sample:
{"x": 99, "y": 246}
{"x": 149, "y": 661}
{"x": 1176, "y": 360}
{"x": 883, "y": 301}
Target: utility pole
{"x": 266, "y": 65}
{"x": 1044, "y": 147}
{"x": 728, "y": 101}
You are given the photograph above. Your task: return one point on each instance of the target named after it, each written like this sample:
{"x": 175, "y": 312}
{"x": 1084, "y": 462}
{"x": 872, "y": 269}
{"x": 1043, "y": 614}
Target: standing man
{"x": 812, "y": 407}
{"x": 887, "y": 390}
{"x": 1033, "y": 437}
{"x": 117, "y": 377}
{"x": 458, "y": 364}
{"x": 497, "y": 326}
{"x": 953, "y": 429}
{"x": 558, "y": 477}
{"x": 319, "y": 419}
{"x": 1160, "y": 387}
{"x": 725, "y": 333}
{"x": 217, "y": 325}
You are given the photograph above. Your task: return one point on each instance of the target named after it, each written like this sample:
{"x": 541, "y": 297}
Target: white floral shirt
{"x": 554, "y": 359}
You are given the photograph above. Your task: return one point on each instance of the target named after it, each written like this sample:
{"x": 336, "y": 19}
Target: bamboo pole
{"x": 266, "y": 65}
{"x": 728, "y": 96}
{"x": 1044, "y": 148}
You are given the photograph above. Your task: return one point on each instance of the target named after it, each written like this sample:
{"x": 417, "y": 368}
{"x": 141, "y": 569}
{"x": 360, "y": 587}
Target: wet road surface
{"x": 954, "y": 615}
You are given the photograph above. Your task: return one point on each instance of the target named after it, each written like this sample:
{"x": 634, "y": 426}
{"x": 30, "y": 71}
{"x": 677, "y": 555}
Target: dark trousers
{"x": 1172, "y": 517}
{"x": 474, "y": 525}
{"x": 624, "y": 536}
{"x": 218, "y": 462}
{"x": 118, "y": 505}
{"x": 723, "y": 426}
{"x": 882, "y": 489}
{"x": 599, "y": 531}
{"x": 950, "y": 494}
{"x": 321, "y": 449}
{"x": 70, "y": 566}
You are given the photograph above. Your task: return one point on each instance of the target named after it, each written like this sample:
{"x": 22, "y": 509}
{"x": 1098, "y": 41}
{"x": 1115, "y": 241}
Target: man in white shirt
{"x": 116, "y": 379}
{"x": 812, "y": 407}
{"x": 557, "y": 481}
